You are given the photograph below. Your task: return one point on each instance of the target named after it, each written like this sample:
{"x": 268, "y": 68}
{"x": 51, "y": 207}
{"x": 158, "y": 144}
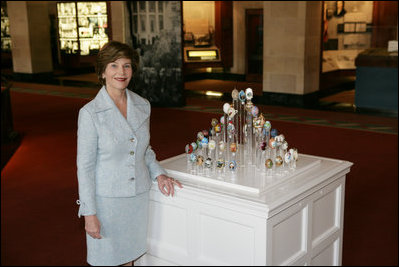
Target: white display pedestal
{"x": 296, "y": 219}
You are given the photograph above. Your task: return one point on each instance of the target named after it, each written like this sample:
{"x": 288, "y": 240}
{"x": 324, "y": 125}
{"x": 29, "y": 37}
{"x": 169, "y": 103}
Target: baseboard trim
{"x": 214, "y": 76}
{"x": 292, "y": 100}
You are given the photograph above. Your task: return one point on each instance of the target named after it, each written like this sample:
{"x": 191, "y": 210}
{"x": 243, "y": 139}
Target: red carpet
{"x": 39, "y": 223}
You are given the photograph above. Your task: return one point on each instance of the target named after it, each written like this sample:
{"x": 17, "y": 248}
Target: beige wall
{"x": 291, "y": 44}
{"x": 312, "y": 47}
{"x": 30, "y": 33}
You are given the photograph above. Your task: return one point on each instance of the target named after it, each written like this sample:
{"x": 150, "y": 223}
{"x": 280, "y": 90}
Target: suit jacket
{"x": 114, "y": 158}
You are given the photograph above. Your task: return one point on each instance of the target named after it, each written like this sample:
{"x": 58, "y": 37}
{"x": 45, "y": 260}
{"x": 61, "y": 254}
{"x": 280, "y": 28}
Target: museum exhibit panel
{"x": 6, "y": 60}
{"x": 352, "y": 33}
{"x": 207, "y": 34}
{"x": 83, "y": 28}
{"x": 345, "y": 34}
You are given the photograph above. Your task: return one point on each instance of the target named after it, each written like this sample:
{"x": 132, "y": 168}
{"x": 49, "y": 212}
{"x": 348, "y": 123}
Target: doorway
{"x": 254, "y": 44}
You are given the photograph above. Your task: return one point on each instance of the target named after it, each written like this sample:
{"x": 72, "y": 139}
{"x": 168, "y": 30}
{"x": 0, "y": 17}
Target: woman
{"x": 116, "y": 165}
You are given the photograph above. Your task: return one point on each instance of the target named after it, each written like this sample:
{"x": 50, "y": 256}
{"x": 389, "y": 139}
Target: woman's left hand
{"x": 168, "y": 183}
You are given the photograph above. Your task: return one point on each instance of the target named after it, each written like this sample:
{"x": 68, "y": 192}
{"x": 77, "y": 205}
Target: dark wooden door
{"x": 254, "y": 44}
{"x": 385, "y": 23}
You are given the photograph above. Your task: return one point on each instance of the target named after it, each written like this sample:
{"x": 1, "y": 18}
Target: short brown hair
{"x": 112, "y": 51}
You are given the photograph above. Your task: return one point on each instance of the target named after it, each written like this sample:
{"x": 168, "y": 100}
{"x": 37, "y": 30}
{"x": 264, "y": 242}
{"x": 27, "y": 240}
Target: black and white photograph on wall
{"x": 155, "y": 29}
{"x": 339, "y": 9}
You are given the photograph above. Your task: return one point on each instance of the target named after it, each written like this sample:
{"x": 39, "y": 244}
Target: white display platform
{"x": 297, "y": 220}
{"x": 245, "y": 179}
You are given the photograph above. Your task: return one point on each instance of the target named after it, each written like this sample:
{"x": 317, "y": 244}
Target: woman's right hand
{"x": 92, "y": 226}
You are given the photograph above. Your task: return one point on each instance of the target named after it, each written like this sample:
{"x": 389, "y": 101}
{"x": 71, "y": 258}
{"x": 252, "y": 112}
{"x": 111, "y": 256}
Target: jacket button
{"x": 132, "y": 179}
{"x": 131, "y": 139}
{"x": 132, "y": 153}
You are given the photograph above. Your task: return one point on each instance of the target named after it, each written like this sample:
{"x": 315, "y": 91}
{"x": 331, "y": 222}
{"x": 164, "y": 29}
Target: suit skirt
{"x": 124, "y": 222}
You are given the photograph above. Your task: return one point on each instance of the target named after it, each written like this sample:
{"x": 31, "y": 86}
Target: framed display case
{"x": 6, "y": 58}
{"x": 83, "y": 28}
{"x": 5, "y": 29}
{"x": 209, "y": 54}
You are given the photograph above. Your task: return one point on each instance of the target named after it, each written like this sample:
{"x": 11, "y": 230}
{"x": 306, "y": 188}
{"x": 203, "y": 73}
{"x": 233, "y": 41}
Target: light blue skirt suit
{"x": 116, "y": 167}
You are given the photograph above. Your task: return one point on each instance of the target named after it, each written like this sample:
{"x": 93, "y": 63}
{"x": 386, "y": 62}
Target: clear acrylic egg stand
{"x": 244, "y": 179}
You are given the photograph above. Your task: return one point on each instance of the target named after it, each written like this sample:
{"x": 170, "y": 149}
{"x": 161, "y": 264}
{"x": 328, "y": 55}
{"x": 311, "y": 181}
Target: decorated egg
{"x": 204, "y": 141}
{"x": 232, "y": 112}
{"x": 272, "y": 143}
{"x": 230, "y": 128}
{"x": 232, "y": 165}
{"x": 284, "y": 145}
{"x": 267, "y": 125}
{"x": 226, "y": 108}
{"x": 263, "y": 145}
{"x": 218, "y": 128}
{"x": 279, "y": 139}
{"x": 287, "y": 157}
{"x": 256, "y": 123}
{"x": 199, "y": 144}
{"x": 194, "y": 145}
{"x": 189, "y": 149}
{"x": 234, "y": 94}
{"x": 214, "y": 122}
{"x": 269, "y": 163}
{"x": 220, "y": 163}
{"x": 212, "y": 144}
{"x": 279, "y": 160}
{"x": 249, "y": 93}
{"x": 208, "y": 163}
{"x": 233, "y": 147}
{"x": 262, "y": 119}
{"x": 255, "y": 111}
{"x": 274, "y": 132}
{"x": 200, "y": 160}
{"x": 222, "y": 120}
{"x": 221, "y": 145}
{"x": 212, "y": 131}
{"x": 242, "y": 96}
{"x": 282, "y": 137}
{"x": 206, "y": 133}
{"x": 200, "y": 135}
{"x": 193, "y": 157}
{"x": 294, "y": 153}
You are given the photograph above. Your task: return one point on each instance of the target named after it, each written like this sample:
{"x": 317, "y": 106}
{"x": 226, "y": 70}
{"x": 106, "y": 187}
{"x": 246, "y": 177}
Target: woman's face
{"x": 117, "y": 74}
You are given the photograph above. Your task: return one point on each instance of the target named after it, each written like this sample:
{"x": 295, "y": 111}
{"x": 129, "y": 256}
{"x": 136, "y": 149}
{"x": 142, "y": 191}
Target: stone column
{"x": 30, "y": 37}
{"x": 118, "y": 21}
{"x": 291, "y": 52}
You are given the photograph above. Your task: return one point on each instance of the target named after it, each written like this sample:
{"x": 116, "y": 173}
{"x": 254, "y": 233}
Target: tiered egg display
{"x": 242, "y": 138}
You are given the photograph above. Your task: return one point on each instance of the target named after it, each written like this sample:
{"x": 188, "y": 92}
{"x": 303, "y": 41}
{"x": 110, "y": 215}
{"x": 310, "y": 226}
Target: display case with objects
{"x": 5, "y": 29}
{"x": 6, "y": 57}
{"x": 83, "y": 28}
